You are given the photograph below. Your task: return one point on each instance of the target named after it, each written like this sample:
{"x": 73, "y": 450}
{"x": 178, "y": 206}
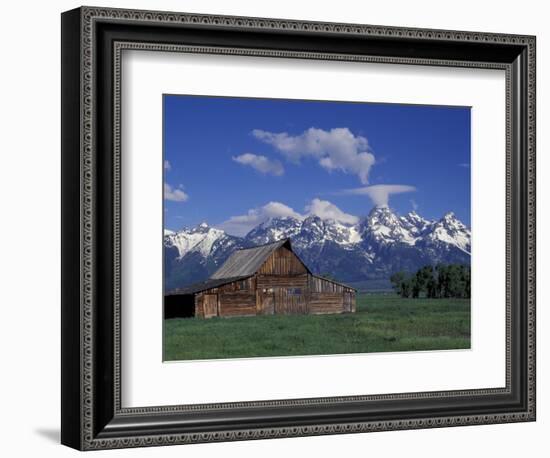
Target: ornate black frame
{"x": 92, "y": 42}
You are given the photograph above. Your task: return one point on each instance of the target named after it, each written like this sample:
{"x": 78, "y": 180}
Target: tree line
{"x": 443, "y": 280}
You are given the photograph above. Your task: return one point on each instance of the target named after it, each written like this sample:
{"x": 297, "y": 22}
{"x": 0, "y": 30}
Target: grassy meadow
{"x": 383, "y": 322}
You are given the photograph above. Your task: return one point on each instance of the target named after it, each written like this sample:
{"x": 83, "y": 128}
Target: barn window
{"x": 294, "y": 291}
{"x": 267, "y": 290}
{"x": 242, "y": 285}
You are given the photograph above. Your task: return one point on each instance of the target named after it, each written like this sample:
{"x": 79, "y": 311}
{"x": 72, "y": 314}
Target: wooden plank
{"x": 268, "y": 303}
{"x": 199, "y": 309}
{"x": 258, "y": 302}
{"x": 288, "y": 302}
{"x": 321, "y": 285}
{"x": 347, "y": 301}
{"x": 243, "y": 311}
{"x": 326, "y": 303}
{"x": 271, "y": 281}
{"x": 282, "y": 262}
{"x": 210, "y": 305}
{"x": 238, "y": 303}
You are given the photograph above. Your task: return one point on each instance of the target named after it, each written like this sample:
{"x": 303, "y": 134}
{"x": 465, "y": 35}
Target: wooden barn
{"x": 264, "y": 280}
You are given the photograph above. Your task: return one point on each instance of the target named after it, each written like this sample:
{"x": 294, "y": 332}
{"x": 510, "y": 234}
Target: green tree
{"x": 401, "y": 283}
{"x": 445, "y": 280}
{"x": 416, "y": 287}
{"x": 421, "y": 280}
{"x": 467, "y": 282}
{"x": 442, "y": 280}
{"x": 396, "y": 279}
{"x": 406, "y": 287}
{"x": 455, "y": 286}
{"x": 453, "y": 280}
{"x": 431, "y": 288}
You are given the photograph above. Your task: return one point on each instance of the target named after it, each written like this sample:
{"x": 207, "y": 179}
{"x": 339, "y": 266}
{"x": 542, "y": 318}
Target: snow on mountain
{"x": 274, "y": 229}
{"x": 199, "y": 239}
{"x": 451, "y": 231}
{"x": 330, "y": 230}
{"x": 415, "y": 223}
{"x": 384, "y": 226}
{"x": 311, "y": 231}
{"x": 192, "y": 255}
{"x": 377, "y": 246}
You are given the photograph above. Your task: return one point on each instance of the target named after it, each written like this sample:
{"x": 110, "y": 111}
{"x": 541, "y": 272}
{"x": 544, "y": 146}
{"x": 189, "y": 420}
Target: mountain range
{"x": 370, "y": 251}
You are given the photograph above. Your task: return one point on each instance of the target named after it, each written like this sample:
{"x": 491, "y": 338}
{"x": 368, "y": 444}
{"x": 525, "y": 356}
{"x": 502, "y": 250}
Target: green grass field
{"x": 381, "y": 323}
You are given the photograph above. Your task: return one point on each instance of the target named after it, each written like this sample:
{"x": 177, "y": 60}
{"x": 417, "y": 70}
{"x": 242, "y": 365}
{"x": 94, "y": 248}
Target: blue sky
{"x": 234, "y": 162}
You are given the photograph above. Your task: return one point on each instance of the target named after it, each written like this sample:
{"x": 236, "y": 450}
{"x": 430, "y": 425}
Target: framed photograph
{"x": 276, "y": 228}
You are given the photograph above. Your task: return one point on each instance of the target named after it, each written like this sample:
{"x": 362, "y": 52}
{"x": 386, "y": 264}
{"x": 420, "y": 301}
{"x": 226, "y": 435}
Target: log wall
{"x": 320, "y": 303}
{"x": 266, "y": 282}
{"x": 237, "y": 304}
{"x": 199, "y": 306}
{"x": 349, "y": 301}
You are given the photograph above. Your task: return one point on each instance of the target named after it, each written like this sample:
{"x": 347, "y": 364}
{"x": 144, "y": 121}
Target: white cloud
{"x": 327, "y": 210}
{"x": 242, "y": 224}
{"x": 261, "y": 163}
{"x": 334, "y": 149}
{"x": 414, "y": 204}
{"x": 380, "y": 193}
{"x": 167, "y": 165}
{"x": 174, "y": 194}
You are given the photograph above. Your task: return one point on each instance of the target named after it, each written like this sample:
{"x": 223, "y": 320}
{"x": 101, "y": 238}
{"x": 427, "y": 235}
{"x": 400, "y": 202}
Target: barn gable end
{"x": 283, "y": 261}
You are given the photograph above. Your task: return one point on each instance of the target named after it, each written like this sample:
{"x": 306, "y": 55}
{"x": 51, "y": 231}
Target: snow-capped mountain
{"x": 317, "y": 230}
{"x": 414, "y": 223}
{"x": 449, "y": 231}
{"x": 274, "y": 229}
{"x": 191, "y": 255}
{"x": 380, "y": 244}
{"x": 200, "y": 239}
{"x": 384, "y": 227}
{"x": 304, "y": 233}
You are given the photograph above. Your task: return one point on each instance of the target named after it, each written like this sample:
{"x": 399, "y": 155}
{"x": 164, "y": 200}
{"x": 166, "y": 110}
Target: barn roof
{"x": 246, "y": 262}
{"x": 204, "y": 285}
{"x": 334, "y": 281}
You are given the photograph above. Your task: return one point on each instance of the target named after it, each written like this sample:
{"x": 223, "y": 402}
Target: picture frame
{"x": 93, "y": 416}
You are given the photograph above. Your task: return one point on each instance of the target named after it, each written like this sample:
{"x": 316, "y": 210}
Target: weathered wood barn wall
{"x": 264, "y": 280}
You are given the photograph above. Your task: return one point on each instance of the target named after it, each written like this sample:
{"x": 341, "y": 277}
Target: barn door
{"x": 290, "y": 301}
{"x": 268, "y": 302}
{"x": 210, "y": 303}
{"x": 347, "y": 301}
